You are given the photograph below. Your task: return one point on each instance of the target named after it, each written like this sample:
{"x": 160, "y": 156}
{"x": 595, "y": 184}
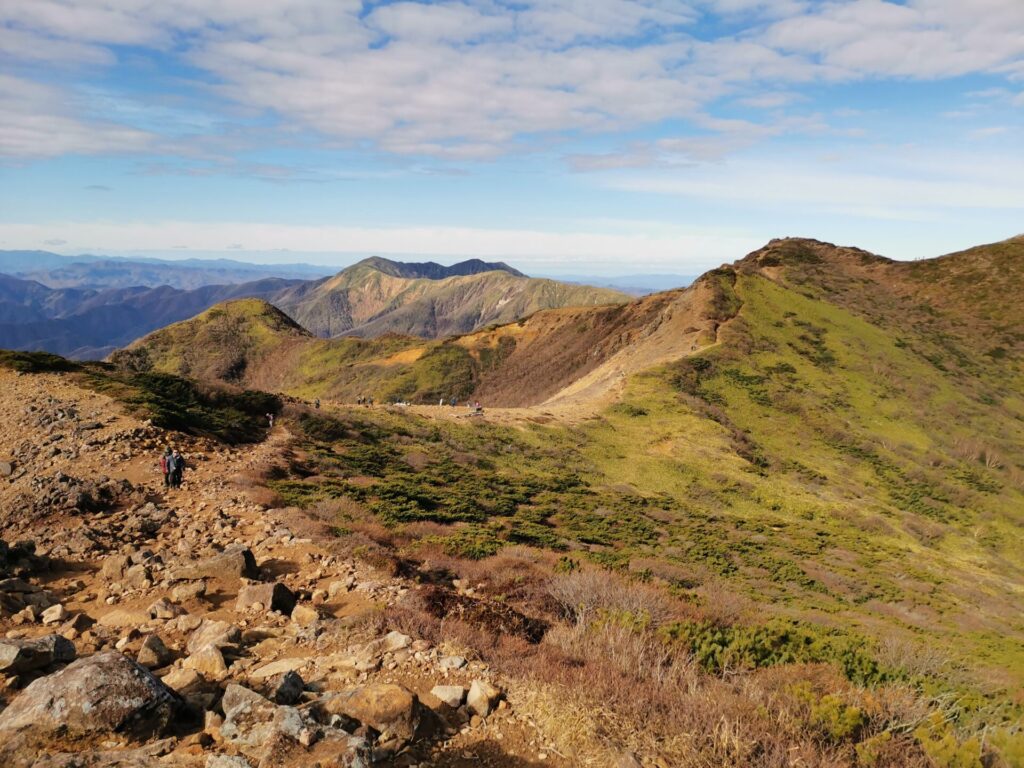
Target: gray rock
{"x": 154, "y": 654}
{"x": 233, "y": 563}
{"x": 273, "y": 597}
{"x": 92, "y": 698}
{"x": 452, "y": 695}
{"x": 227, "y": 761}
{"x": 219, "y": 634}
{"x": 248, "y": 717}
{"x": 288, "y": 688}
{"x": 17, "y": 656}
{"x": 114, "y": 566}
{"x": 482, "y": 697}
{"x": 55, "y": 614}
{"x": 451, "y": 662}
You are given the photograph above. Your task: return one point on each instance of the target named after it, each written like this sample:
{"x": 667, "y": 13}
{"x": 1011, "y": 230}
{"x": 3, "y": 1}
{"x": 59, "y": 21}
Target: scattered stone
{"x": 165, "y": 609}
{"x": 17, "y": 656}
{"x": 154, "y": 654}
{"x": 394, "y": 641}
{"x": 227, "y": 761}
{"x": 191, "y": 590}
{"x": 448, "y": 663}
{"x": 54, "y": 614}
{"x": 279, "y": 667}
{"x": 209, "y": 662}
{"x": 287, "y": 688}
{"x": 452, "y": 695}
{"x": 183, "y": 680}
{"x": 138, "y": 577}
{"x": 248, "y": 717}
{"x": 218, "y": 634}
{"x": 273, "y": 597}
{"x": 304, "y": 615}
{"x": 114, "y": 566}
{"x": 482, "y": 697}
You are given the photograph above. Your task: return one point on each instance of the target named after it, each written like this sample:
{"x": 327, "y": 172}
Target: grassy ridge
{"x": 171, "y": 402}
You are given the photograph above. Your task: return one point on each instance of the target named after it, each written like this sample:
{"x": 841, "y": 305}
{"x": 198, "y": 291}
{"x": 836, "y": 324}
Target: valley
{"x": 785, "y": 501}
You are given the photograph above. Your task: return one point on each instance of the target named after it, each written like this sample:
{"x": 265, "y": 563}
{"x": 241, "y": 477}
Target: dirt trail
{"x": 54, "y": 428}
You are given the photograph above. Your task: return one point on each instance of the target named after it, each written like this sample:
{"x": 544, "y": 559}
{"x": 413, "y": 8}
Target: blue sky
{"x": 594, "y": 137}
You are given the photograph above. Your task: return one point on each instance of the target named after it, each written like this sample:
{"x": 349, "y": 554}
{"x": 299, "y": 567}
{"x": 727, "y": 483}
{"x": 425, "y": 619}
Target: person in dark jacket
{"x": 177, "y": 465}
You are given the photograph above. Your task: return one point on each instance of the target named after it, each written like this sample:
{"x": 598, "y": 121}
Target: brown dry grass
{"x": 601, "y": 688}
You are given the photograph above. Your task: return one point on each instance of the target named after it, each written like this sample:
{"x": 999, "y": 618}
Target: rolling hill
{"x": 89, "y": 324}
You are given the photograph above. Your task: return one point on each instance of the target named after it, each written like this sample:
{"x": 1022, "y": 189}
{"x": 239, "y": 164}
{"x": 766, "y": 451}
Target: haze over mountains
{"x": 98, "y": 272}
{"x": 86, "y": 310}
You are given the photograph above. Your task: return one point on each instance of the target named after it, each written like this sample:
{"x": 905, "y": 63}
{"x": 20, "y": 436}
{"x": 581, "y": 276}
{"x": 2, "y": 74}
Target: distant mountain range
{"x": 66, "y": 313}
{"x": 634, "y": 285}
{"x": 88, "y": 324}
{"x": 100, "y": 272}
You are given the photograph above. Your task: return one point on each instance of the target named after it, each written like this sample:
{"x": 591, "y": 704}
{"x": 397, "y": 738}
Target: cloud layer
{"x": 469, "y": 80}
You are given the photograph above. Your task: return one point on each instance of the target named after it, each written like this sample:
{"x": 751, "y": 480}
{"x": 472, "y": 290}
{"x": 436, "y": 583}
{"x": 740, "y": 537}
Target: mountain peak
{"x": 433, "y": 271}
{"x": 794, "y": 251}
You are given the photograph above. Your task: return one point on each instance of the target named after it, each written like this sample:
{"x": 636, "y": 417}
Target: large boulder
{"x": 233, "y": 563}
{"x": 248, "y": 717}
{"x": 272, "y": 597}
{"x": 89, "y": 699}
{"x": 390, "y": 709}
{"x": 17, "y": 656}
{"x": 482, "y": 697}
{"x": 218, "y": 634}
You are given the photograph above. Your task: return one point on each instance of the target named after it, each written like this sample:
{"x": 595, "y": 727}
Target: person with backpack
{"x": 165, "y": 467}
{"x": 177, "y": 465}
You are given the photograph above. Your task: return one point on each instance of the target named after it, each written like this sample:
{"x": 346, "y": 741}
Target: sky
{"x": 563, "y": 136}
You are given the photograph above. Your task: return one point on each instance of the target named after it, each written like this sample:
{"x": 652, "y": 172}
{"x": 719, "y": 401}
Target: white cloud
{"x": 472, "y": 79}
{"x": 903, "y": 185}
{"x": 37, "y": 122}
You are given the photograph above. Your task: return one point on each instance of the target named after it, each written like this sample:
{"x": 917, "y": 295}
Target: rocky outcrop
{"x": 92, "y": 698}
{"x": 233, "y": 563}
{"x": 18, "y": 656}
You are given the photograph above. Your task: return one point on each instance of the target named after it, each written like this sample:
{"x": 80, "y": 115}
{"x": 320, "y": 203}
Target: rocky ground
{"x": 148, "y": 626}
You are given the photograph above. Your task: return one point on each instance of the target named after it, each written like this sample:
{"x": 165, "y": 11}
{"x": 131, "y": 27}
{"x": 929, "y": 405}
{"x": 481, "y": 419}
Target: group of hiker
{"x": 173, "y": 466}
{"x": 364, "y": 400}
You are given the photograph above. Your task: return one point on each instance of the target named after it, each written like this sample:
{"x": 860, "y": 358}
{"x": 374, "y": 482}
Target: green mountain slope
{"x": 377, "y": 296}
{"x": 819, "y": 451}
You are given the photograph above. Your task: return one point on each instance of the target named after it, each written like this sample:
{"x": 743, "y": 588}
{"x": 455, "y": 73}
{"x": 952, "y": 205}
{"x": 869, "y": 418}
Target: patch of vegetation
{"x": 171, "y": 402}
{"x": 36, "y": 362}
{"x": 719, "y": 648}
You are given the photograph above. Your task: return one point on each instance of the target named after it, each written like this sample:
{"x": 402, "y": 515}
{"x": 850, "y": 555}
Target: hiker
{"x": 176, "y": 465}
{"x": 453, "y": 401}
{"x": 316, "y": 403}
{"x": 164, "y": 466}
{"x": 270, "y": 420}
{"x": 359, "y": 400}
